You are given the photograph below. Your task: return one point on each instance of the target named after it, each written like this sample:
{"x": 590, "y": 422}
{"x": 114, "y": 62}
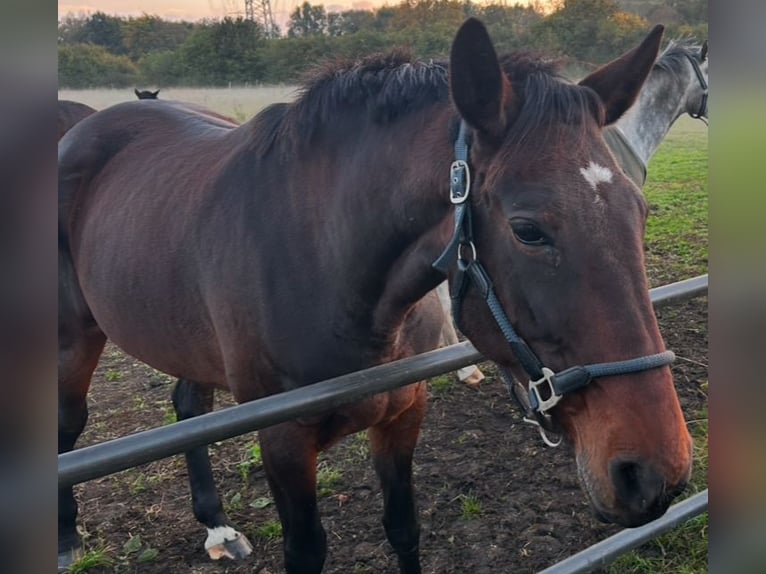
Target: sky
{"x": 198, "y": 9}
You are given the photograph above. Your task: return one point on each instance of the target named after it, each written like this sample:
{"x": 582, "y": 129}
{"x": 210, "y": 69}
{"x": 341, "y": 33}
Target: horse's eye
{"x": 528, "y": 233}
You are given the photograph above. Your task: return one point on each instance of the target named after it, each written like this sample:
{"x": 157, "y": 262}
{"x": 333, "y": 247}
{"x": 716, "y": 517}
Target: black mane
{"x": 391, "y": 86}
{"x": 548, "y": 97}
{"x": 388, "y": 85}
{"x": 673, "y": 58}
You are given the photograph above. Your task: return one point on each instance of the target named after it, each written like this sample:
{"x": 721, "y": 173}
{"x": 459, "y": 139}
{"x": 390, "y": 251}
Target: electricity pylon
{"x": 260, "y": 11}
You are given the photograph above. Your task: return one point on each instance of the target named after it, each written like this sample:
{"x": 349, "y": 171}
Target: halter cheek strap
{"x": 702, "y": 111}
{"x": 546, "y": 388}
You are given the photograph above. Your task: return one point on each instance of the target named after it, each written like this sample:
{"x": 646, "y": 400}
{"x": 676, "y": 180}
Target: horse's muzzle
{"x": 641, "y": 494}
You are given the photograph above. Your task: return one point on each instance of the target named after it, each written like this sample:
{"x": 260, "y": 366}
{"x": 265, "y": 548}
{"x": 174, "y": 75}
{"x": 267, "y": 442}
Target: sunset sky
{"x": 197, "y": 9}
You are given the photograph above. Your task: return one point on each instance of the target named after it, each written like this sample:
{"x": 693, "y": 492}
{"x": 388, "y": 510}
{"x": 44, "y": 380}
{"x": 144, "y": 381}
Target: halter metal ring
{"x": 460, "y": 251}
{"x": 551, "y": 440}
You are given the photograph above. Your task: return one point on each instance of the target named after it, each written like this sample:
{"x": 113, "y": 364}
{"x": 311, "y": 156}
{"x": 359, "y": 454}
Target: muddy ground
{"x": 493, "y": 498}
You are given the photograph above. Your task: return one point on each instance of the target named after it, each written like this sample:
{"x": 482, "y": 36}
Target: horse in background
{"x": 677, "y": 85}
{"x": 145, "y": 94}
{"x": 305, "y": 244}
{"x": 71, "y": 113}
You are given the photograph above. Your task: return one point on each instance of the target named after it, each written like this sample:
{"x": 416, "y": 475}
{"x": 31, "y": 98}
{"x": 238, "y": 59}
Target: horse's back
{"x": 140, "y": 136}
{"x": 131, "y": 183}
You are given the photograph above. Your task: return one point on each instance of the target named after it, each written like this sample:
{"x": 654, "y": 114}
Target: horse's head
{"x": 559, "y": 230}
{"x": 146, "y": 94}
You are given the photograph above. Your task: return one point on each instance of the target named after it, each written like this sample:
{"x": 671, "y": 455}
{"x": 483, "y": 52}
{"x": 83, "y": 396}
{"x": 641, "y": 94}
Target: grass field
{"x": 676, "y": 188}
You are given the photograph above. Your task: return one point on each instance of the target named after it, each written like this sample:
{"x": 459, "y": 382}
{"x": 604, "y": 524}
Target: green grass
{"x": 698, "y": 427}
{"x": 676, "y": 189}
{"x": 254, "y": 459}
{"x": 327, "y": 478}
{"x": 441, "y": 384}
{"x": 681, "y": 551}
{"x": 269, "y": 530}
{"x": 261, "y": 502}
{"x": 170, "y": 416}
{"x": 470, "y": 506}
{"x": 93, "y": 558}
{"x": 99, "y": 557}
{"x": 358, "y": 446}
{"x": 135, "y": 548}
{"x": 235, "y": 502}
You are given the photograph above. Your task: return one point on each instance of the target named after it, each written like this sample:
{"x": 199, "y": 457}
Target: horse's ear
{"x": 138, "y": 94}
{"x": 703, "y": 51}
{"x": 154, "y": 94}
{"x": 479, "y": 88}
{"x": 619, "y": 81}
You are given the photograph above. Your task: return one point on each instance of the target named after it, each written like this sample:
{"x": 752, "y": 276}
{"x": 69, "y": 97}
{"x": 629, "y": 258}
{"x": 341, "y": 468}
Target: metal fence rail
{"x": 112, "y": 456}
{"x": 119, "y": 454}
{"x": 607, "y": 551}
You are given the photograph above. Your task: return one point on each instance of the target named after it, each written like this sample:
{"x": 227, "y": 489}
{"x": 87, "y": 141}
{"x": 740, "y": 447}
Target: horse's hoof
{"x": 225, "y": 542}
{"x": 474, "y": 378}
{"x": 67, "y": 558}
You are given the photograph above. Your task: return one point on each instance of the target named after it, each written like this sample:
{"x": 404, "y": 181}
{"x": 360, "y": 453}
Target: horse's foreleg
{"x": 289, "y": 458}
{"x": 191, "y": 399}
{"x": 392, "y": 446}
{"x": 79, "y": 349}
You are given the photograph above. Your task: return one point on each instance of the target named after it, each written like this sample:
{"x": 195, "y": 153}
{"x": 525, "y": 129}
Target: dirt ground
{"x": 492, "y": 497}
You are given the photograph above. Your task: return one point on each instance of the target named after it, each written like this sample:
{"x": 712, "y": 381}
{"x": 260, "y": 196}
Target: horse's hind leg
{"x": 80, "y": 345}
{"x": 392, "y": 446}
{"x": 290, "y": 458}
{"x": 191, "y": 399}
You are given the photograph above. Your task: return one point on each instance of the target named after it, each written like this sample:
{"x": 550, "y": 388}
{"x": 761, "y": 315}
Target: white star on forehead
{"x": 595, "y": 174}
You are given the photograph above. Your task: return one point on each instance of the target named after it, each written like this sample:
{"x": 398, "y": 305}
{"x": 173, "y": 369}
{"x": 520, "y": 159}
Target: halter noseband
{"x": 546, "y": 388}
{"x": 702, "y": 112}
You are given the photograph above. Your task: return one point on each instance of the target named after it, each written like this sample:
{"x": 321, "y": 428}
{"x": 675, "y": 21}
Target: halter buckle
{"x": 536, "y": 419}
{"x": 542, "y": 394}
{"x": 460, "y": 181}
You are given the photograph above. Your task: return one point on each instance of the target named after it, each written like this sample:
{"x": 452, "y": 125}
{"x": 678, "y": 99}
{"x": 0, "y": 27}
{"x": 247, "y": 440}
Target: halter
{"x": 702, "y": 112}
{"x": 546, "y": 388}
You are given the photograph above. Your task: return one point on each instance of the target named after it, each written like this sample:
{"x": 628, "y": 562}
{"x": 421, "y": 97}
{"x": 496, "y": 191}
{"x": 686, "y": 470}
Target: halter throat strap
{"x": 546, "y": 388}
{"x": 702, "y": 111}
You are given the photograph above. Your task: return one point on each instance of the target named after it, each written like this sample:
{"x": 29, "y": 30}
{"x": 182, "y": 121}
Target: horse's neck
{"x": 401, "y": 216}
{"x": 660, "y": 103}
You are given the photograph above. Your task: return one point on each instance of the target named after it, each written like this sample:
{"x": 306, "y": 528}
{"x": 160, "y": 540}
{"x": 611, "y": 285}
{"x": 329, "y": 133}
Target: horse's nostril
{"x": 637, "y": 485}
{"x": 625, "y": 476}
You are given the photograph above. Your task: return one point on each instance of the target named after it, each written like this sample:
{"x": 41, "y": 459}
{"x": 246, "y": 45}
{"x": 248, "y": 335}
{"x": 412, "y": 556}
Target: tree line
{"x": 102, "y": 50}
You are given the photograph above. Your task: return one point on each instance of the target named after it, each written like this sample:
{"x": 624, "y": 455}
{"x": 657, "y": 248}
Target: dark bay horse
{"x": 70, "y": 113}
{"x": 302, "y": 245}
